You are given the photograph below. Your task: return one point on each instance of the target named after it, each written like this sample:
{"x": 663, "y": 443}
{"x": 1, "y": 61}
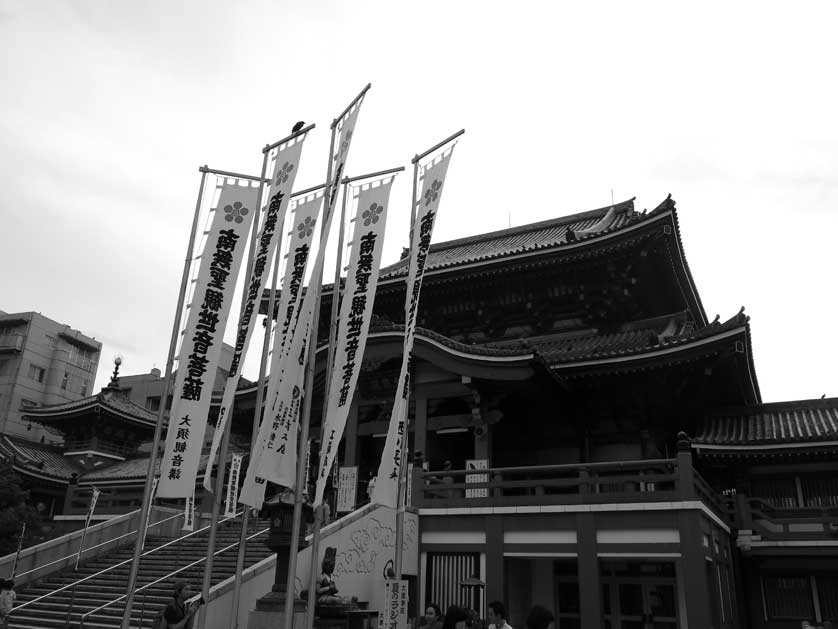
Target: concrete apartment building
{"x": 42, "y": 362}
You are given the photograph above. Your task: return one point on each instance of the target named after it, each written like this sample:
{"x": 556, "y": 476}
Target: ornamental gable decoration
{"x": 200, "y": 350}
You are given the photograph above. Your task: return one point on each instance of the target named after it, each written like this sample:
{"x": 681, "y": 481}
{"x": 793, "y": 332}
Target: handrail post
{"x": 584, "y": 481}
{"x": 744, "y": 517}
{"x": 686, "y": 474}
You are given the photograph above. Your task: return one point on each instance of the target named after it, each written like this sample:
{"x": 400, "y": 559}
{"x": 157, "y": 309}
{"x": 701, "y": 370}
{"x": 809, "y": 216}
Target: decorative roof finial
{"x": 114, "y": 383}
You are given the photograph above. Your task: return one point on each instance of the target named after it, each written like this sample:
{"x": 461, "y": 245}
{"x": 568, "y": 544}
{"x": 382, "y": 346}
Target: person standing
{"x": 496, "y": 615}
{"x": 7, "y": 601}
{"x": 179, "y": 614}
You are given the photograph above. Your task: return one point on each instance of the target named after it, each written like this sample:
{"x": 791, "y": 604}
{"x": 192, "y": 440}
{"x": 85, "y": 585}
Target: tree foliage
{"x": 14, "y": 511}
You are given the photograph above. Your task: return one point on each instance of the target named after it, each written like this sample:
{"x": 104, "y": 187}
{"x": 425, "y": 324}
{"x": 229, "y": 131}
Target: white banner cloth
{"x": 387, "y": 481}
{"x": 355, "y": 316}
{"x": 201, "y": 347}
{"x": 286, "y": 165}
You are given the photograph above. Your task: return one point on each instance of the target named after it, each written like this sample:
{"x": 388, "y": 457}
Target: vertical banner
{"x": 305, "y": 216}
{"x": 433, "y": 177}
{"x": 277, "y": 460}
{"x": 93, "y": 499}
{"x": 347, "y": 489}
{"x": 201, "y": 347}
{"x": 233, "y": 487}
{"x": 477, "y": 464}
{"x": 394, "y": 614}
{"x": 189, "y": 514}
{"x": 356, "y": 314}
{"x": 286, "y": 166}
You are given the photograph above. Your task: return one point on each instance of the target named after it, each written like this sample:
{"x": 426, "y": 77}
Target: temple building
{"x": 585, "y": 437}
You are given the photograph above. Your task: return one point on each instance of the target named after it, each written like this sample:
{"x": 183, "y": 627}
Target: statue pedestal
{"x": 270, "y": 612}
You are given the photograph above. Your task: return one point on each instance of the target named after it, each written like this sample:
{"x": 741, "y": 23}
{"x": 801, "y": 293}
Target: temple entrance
{"x": 639, "y": 595}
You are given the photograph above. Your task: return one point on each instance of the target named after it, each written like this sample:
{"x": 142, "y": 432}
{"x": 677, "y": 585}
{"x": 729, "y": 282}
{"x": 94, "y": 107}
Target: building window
{"x": 5, "y": 367}
{"x": 788, "y": 598}
{"x": 52, "y": 341}
{"x": 83, "y": 387}
{"x": 37, "y": 373}
{"x": 82, "y": 358}
{"x": 153, "y": 403}
{"x": 64, "y": 380}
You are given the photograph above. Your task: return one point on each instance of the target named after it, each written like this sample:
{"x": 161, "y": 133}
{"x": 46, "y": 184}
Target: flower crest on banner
{"x": 432, "y": 193}
{"x": 235, "y": 212}
{"x": 371, "y": 215}
{"x": 284, "y": 172}
{"x": 307, "y": 226}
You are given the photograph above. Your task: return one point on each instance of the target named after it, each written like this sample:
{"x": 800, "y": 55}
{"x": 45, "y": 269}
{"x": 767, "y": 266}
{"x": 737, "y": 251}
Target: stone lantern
{"x": 270, "y": 608}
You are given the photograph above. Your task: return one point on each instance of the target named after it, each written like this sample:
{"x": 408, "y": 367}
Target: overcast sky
{"x": 107, "y": 110}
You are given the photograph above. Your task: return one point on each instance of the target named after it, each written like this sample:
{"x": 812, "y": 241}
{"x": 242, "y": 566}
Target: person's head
{"x": 6, "y": 584}
{"x": 455, "y": 618}
{"x": 181, "y": 591}
{"x": 433, "y": 613}
{"x": 539, "y": 618}
{"x": 496, "y": 614}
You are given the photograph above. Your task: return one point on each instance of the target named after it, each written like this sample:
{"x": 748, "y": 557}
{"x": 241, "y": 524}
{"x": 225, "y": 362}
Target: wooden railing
{"x": 791, "y": 523}
{"x": 657, "y": 480}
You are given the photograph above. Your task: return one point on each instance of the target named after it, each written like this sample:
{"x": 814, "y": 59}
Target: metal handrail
{"x": 118, "y": 565}
{"x": 169, "y": 575}
{"x": 616, "y": 465}
{"x": 84, "y": 550}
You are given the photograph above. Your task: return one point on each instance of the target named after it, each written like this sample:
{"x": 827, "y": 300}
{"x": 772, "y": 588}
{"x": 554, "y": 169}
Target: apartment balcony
{"x": 622, "y": 482}
{"x": 11, "y": 343}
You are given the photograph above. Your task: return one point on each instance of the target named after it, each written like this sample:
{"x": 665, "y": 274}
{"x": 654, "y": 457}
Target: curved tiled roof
{"x": 109, "y": 399}
{"x": 474, "y": 350}
{"x": 36, "y": 458}
{"x": 525, "y": 238}
{"x": 634, "y": 339}
{"x": 777, "y": 424}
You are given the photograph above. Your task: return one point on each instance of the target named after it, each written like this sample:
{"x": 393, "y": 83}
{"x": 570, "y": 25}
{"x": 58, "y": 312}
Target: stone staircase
{"x": 65, "y": 608}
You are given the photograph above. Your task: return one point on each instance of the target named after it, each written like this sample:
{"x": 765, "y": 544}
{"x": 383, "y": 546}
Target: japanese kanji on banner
{"x": 285, "y": 166}
{"x": 356, "y": 314}
{"x": 347, "y": 489}
{"x": 387, "y": 481}
{"x": 305, "y": 214}
{"x": 233, "y": 487}
{"x": 201, "y": 347}
{"x": 274, "y": 458}
{"x": 394, "y": 614}
{"x": 189, "y": 514}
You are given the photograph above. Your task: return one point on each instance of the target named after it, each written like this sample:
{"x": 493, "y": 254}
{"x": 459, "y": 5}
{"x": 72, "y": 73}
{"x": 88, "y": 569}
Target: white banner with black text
{"x": 200, "y": 350}
{"x": 355, "y": 315}
{"x": 285, "y": 167}
{"x": 386, "y": 487}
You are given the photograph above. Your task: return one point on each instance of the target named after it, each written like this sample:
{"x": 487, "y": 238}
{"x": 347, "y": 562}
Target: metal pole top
{"x": 268, "y": 147}
{"x": 375, "y": 174}
{"x": 435, "y": 147}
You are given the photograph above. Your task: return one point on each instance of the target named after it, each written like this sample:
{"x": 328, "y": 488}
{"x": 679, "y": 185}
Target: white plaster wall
{"x": 365, "y": 543}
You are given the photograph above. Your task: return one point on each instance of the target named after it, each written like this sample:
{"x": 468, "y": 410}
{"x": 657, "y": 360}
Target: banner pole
{"x": 260, "y": 393}
{"x": 93, "y": 498}
{"x": 333, "y": 329}
{"x": 19, "y": 547}
{"x": 218, "y": 494}
{"x": 158, "y": 430}
{"x": 402, "y": 495}
{"x": 316, "y": 284}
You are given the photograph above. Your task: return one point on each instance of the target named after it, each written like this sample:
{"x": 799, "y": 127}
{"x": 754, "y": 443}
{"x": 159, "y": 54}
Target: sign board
{"x": 394, "y": 613}
{"x": 477, "y": 464}
{"x": 347, "y": 487}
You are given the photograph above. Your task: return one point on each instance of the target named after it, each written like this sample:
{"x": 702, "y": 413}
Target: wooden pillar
{"x": 695, "y": 587}
{"x": 420, "y": 431}
{"x": 494, "y": 561}
{"x": 588, "y": 571}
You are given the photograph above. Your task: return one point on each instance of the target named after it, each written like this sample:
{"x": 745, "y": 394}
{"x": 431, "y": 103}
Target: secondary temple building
{"x": 589, "y": 440}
